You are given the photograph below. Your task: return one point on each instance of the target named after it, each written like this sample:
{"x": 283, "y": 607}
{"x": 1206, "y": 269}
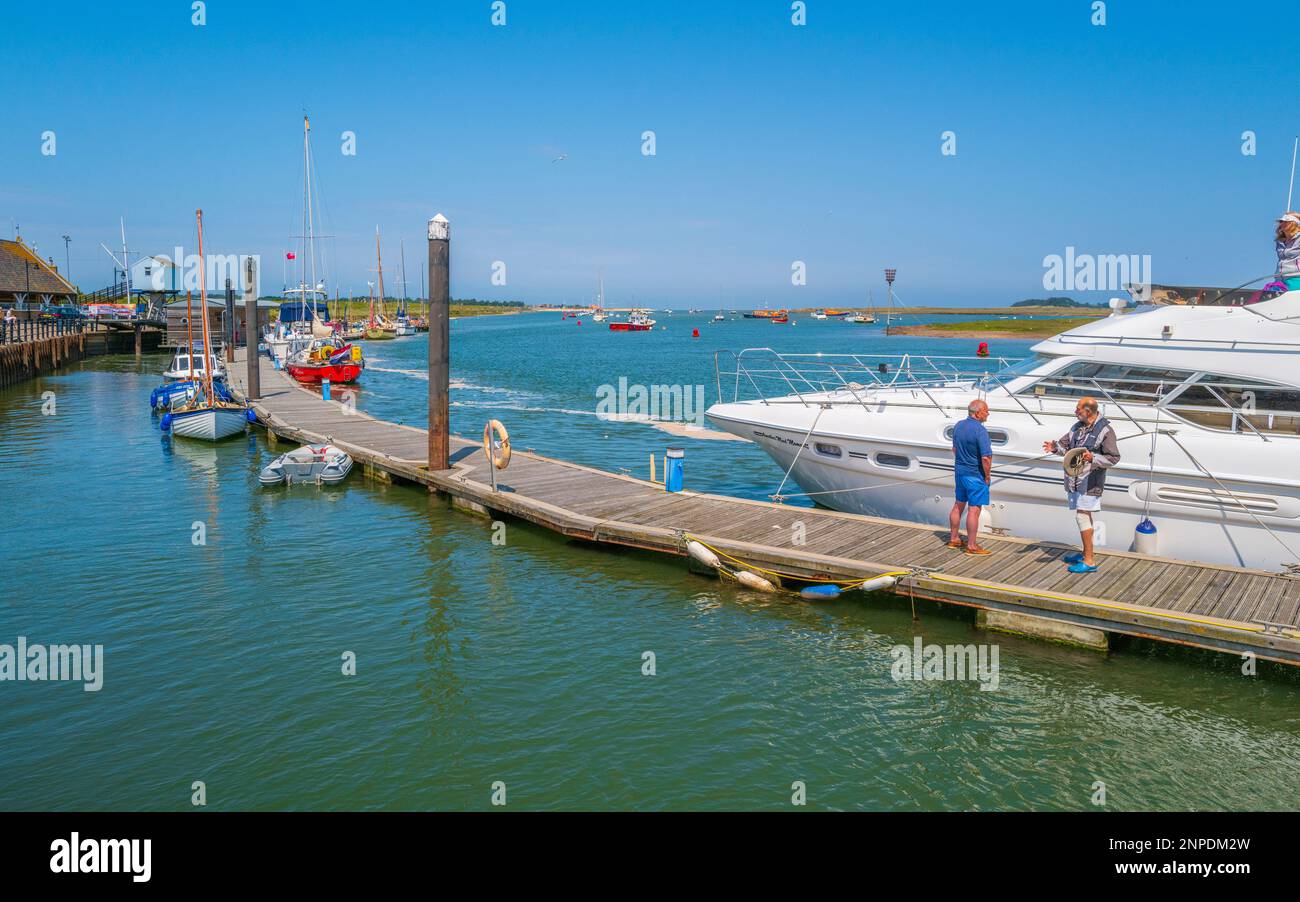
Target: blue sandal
{"x": 1081, "y": 567}
{"x": 1073, "y": 557}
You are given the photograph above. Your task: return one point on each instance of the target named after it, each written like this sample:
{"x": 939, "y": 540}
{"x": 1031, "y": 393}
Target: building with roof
{"x": 27, "y": 282}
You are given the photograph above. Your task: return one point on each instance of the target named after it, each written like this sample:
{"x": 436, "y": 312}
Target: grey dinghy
{"x": 321, "y": 464}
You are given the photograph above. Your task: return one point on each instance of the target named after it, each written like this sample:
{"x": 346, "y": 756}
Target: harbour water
{"x": 225, "y": 611}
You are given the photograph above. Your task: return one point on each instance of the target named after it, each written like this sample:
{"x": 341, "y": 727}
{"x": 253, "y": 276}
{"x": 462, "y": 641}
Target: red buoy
{"x": 983, "y": 350}
{"x": 695, "y": 333}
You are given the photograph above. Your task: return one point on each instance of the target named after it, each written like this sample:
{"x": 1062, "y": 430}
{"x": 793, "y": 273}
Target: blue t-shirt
{"x": 970, "y": 442}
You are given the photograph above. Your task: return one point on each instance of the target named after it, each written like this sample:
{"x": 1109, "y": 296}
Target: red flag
{"x": 290, "y": 256}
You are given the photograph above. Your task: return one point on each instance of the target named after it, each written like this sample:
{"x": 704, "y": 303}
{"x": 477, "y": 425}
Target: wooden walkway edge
{"x": 1228, "y": 609}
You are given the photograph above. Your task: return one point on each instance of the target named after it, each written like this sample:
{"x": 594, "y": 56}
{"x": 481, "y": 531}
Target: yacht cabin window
{"x": 996, "y": 436}
{"x": 1212, "y": 400}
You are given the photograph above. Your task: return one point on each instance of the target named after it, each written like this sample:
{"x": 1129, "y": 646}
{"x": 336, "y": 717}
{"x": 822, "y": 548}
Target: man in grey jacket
{"x": 1094, "y": 434}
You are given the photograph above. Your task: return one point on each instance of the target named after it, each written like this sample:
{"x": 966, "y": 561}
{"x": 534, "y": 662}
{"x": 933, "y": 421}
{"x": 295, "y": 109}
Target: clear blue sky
{"x": 775, "y": 143}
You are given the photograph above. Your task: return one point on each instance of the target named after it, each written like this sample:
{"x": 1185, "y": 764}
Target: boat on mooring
{"x": 378, "y": 328}
{"x": 1204, "y": 398}
{"x": 637, "y": 322}
{"x": 205, "y": 415}
{"x": 324, "y": 360}
{"x": 321, "y": 464}
{"x": 194, "y": 364}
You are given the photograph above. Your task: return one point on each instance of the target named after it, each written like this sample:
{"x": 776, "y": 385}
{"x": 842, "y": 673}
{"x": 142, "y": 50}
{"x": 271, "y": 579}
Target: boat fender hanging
{"x": 820, "y": 593}
{"x": 878, "y": 584}
{"x": 497, "y": 451}
{"x": 252, "y": 415}
{"x": 703, "y": 555}
{"x": 1145, "y": 538}
{"x": 754, "y": 581}
{"x": 166, "y": 424}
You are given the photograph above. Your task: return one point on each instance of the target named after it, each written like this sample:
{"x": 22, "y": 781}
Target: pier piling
{"x": 254, "y": 387}
{"x": 230, "y": 322}
{"x": 439, "y": 341}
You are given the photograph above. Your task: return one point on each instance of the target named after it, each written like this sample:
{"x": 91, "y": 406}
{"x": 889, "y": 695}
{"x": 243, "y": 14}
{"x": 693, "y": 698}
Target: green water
{"x": 522, "y": 662}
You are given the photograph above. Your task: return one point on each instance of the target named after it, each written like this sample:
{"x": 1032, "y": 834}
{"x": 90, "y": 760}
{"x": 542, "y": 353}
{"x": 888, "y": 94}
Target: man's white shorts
{"x": 1082, "y": 502}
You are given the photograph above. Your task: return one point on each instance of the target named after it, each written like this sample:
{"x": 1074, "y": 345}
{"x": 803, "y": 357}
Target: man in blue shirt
{"x": 973, "y": 456}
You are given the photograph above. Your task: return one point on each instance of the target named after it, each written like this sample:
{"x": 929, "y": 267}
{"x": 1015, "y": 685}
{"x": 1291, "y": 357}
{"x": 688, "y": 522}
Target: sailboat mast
{"x": 380, "y": 261}
{"x": 401, "y": 243}
{"x": 308, "y": 224}
{"x": 189, "y": 331}
{"x": 203, "y": 305}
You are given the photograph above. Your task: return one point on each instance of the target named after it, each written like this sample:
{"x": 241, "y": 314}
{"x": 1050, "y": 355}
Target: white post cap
{"x": 439, "y": 228}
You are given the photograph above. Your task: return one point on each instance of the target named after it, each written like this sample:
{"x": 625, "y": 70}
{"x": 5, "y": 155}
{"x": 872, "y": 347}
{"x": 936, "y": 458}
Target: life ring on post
{"x": 497, "y": 451}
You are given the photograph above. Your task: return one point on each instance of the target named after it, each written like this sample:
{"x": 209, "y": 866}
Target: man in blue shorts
{"x": 973, "y": 455}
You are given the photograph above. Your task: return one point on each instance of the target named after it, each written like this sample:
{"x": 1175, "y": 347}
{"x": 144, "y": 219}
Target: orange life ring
{"x": 498, "y": 451}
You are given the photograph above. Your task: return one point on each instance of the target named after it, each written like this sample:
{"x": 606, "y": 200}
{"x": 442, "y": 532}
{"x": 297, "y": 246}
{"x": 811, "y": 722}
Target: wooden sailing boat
{"x": 205, "y": 416}
{"x": 379, "y": 329}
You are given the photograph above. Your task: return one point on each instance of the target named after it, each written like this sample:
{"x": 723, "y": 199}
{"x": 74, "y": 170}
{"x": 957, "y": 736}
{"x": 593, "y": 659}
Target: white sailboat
{"x": 205, "y": 416}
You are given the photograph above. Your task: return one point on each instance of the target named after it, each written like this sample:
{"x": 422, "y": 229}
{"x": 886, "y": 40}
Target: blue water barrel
{"x": 674, "y": 469}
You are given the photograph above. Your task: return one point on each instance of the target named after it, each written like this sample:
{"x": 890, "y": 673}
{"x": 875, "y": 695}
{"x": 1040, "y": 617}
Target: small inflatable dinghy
{"x": 321, "y": 464}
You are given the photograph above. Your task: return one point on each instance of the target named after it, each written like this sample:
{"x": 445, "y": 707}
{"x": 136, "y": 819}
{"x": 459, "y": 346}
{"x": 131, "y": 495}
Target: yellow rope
{"x": 847, "y": 584}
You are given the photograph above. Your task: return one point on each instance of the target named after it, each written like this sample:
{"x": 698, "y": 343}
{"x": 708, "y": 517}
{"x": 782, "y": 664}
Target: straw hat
{"x": 1074, "y": 463}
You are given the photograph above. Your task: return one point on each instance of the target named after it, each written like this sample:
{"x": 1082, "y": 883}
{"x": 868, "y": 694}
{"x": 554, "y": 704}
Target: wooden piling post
{"x": 254, "y": 387}
{"x": 230, "y": 322}
{"x": 439, "y": 342}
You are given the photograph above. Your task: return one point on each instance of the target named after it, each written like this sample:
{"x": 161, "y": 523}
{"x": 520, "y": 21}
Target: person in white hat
{"x": 1287, "y": 239}
{"x": 1084, "y": 485}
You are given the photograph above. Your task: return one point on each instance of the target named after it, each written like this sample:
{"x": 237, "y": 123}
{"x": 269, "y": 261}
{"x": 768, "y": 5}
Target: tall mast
{"x": 401, "y": 243}
{"x": 189, "y": 331}
{"x": 379, "y": 260}
{"x": 203, "y": 304}
{"x": 309, "y": 235}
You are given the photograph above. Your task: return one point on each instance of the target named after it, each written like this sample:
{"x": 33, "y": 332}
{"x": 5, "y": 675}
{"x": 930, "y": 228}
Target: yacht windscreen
{"x": 1121, "y": 382}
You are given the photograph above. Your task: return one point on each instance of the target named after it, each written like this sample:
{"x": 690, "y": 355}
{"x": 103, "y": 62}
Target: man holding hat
{"x": 1090, "y": 449}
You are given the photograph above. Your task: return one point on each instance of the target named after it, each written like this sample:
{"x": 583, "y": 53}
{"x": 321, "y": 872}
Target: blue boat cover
{"x": 298, "y": 311}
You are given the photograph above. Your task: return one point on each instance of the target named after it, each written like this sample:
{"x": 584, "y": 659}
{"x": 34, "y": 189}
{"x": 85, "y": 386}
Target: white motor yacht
{"x": 1203, "y": 393}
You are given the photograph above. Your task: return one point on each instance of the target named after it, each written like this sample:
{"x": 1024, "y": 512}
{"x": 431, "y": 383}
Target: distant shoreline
{"x": 995, "y": 328}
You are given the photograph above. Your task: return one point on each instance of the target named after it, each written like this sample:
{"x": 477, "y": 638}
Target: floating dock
{"x": 1022, "y": 587}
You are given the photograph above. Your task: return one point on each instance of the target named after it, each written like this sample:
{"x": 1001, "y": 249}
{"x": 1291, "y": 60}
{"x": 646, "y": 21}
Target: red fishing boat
{"x": 780, "y": 319}
{"x": 637, "y": 322}
{"x": 338, "y": 365}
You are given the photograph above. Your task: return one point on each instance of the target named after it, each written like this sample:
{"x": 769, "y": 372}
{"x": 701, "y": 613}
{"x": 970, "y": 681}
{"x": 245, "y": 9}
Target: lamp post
{"x": 67, "y": 258}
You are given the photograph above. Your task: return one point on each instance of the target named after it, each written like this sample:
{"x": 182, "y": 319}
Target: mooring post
{"x": 253, "y": 390}
{"x": 230, "y": 323}
{"x": 439, "y": 341}
{"x": 138, "y": 339}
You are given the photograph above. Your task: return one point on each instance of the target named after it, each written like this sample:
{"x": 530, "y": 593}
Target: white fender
{"x": 879, "y": 583}
{"x": 754, "y": 581}
{"x": 702, "y": 554}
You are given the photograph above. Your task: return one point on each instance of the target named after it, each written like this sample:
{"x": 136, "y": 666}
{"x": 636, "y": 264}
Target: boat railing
{"x": 762, "y": 374}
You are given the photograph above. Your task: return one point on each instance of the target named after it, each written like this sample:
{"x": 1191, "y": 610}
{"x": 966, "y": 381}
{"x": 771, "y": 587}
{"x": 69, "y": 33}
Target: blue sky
{"x": 775, "y": 143}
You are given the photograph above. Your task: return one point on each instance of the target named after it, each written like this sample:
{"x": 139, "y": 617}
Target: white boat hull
{"x": 209, "y": 424}
{"x": 1028, "y": 498}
